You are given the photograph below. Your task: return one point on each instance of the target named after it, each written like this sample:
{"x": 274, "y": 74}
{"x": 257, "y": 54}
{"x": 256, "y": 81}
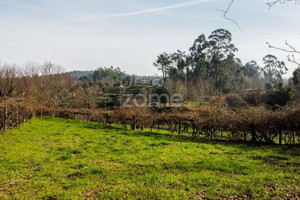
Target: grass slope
{"x": 65, "y": 159}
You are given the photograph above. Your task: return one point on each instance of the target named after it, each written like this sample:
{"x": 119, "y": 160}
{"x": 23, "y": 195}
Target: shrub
{"x": 255, "y": 97}
{"x": 281, "y": 96}
{"x": 235, "y": 101}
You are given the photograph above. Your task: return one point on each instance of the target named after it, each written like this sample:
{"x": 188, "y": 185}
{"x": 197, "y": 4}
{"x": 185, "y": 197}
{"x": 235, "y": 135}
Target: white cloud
{"x": 148, "y": 10}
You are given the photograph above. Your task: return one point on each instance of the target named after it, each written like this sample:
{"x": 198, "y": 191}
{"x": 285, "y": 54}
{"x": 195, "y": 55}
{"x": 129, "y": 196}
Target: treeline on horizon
{"x": 244, "y": 102}
{"x": 208, "y": 69}
{"x": 49, "y": 85}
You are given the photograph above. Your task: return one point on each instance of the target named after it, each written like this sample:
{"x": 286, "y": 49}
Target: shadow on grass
{"x": 223, "y": 166}
{"x": 285, "y": 150}
{"x": 240, "y": 145}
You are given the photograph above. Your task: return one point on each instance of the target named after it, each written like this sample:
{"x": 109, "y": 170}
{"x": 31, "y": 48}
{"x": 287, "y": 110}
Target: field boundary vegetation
{"x": 213, "y": 122}
{"x": 243, "y": 102}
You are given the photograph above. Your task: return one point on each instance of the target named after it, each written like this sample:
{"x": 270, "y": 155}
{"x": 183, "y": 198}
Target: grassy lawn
{"x": 67, "y": 159}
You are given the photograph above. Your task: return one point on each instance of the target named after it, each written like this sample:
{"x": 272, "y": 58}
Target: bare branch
{"x": 226, "y": 12}
{"x": 293, "y": 60}
{"x": 273, "y": 3}
{"x": 290, "y": 49}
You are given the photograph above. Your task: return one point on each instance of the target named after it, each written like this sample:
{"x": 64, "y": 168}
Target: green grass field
{"x": 50, "y": 158}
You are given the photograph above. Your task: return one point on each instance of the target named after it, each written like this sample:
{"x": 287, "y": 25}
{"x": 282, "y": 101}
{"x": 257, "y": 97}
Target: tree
{"x": 290, "y": 49}
{"x": 8, "y": 77}
{"x": 296, "y": 76}
{"x": 198, "y": 58}
{"x": 119, "y": 73}
{"x": 252, "y": 69}
{"x": 273, "y": 70}
{"x": 281, "y": 96}
{"x": 236, "y": 80}
{"x": 128, "y": 80}
{"x": 163, "y": 63}
{"x": 174, "y": 74}
{"x": 210, "y": 65}
{"x": 163, "y": 92}
{"x": 179, "y": 61}
{"x": 198, "y": 50}
{"x": 221, "y": 54}
{"x": 106, "y": 76}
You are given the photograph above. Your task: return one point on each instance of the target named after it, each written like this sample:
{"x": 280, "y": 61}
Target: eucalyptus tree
{"x": 163, "y": 63}
{"x": 252, "y": 69}
{"x": 179, "y": 62}
{"x": 221, "y": 55}
{"x": 273, "y": 70}
{"x": 296, "y": 76}
{"x": 197, "y": 58}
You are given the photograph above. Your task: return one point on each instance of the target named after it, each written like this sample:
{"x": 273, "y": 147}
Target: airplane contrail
{"x": 150, "y": 10}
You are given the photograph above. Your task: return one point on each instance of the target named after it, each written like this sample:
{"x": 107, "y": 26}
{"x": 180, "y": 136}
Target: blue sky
{"x": 86, "y": 34}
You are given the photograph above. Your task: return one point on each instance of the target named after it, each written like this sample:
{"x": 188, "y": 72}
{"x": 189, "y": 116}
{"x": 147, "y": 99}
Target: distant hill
{"x": 78, "y": 74}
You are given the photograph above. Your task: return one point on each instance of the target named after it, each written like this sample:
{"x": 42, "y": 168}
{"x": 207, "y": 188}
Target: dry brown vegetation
{"x": 214, "y": 122}
{"x": 42, "y": 90}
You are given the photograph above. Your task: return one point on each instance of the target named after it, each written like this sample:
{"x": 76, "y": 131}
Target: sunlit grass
{"x": 66, "y": 159}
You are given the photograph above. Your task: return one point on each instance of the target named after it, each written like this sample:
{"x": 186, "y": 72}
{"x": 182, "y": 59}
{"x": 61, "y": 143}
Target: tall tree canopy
{"x": 273, "y": 70}
{"x": 209, "y": 65}
{"x": 163, "y": 63}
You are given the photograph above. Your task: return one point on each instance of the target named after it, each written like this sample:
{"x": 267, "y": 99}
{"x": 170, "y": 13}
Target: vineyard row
{"x": 255, "y": 124}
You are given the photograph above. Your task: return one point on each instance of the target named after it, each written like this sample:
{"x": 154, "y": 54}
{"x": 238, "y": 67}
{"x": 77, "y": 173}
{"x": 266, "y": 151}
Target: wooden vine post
{"x": 280, "y": 137}
{"x": 179, "y": 127}
{"x": 253, "y": 139}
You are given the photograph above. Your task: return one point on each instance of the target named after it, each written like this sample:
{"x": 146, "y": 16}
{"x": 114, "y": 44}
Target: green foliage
{"x": 163, "y": 63}
{"x": 252, "y": 69}
{"x": 161, "y": 91}
{"x": 273, "y": 71}
{"x": 101, "y": 73}
{"x": 110, "y": 162}
{"x": 209, "y": 61}
{"x": 104, "y": 77}
{"x": 198, "y": 59}
{"x": 128, "y": 80}
{"x": 221, "y": 55}
{"x": 80, "y": 74}
{"x": 281, "y": 96}
{"x": 296, "y": 76}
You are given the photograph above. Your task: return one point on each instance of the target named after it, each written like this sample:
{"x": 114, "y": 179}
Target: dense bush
{"x": 254, "y": 97}
{"x": 281, "y": 96}
{"x": 235, "y": 101}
